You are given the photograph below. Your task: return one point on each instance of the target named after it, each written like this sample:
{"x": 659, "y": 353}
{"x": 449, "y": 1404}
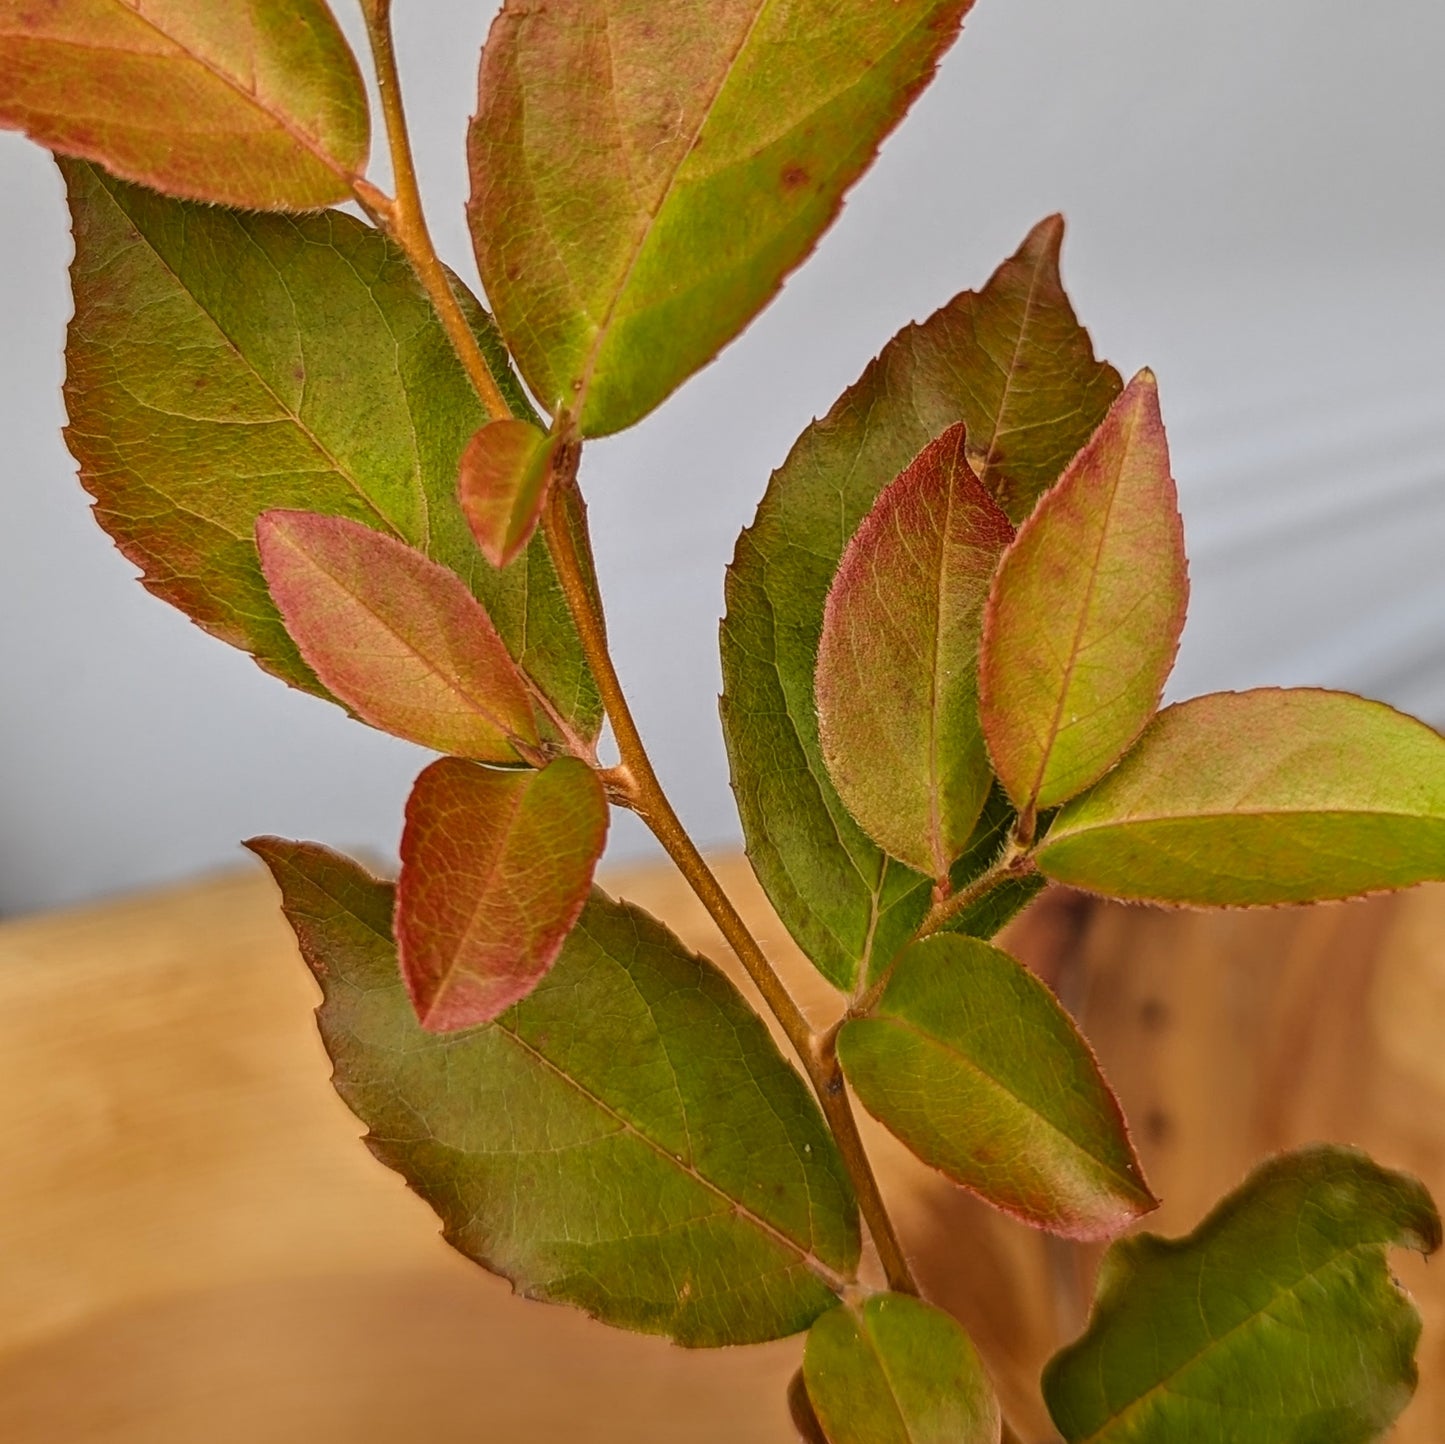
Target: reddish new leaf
{"x": 1086, "y": 610}
{"x": 396, "y": 637}
{"x": 495, "y": 869}
{"x": 1246, "y": 799}
{"x": 504, "y": 474}
{"x": 253, "y": 103}
{"x": 897, "y": 676}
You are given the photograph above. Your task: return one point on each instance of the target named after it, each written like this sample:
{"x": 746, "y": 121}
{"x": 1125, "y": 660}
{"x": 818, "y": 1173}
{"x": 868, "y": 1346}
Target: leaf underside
{"x": 1244, "y": 799}
{"x": 1012, "y": 363}
{"x": 1275, "y": 1319}
{"x": 254, "y": 103}
{"x": 222, "y": 364}
{"x": 897, "y": 1371}
{"x": 646, "y": 174}
{"x": 970, "y": 1061}
{"x": 627, "y": 1139}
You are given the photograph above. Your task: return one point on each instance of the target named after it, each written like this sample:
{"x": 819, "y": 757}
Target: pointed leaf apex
{"x": 1045, "y": 241}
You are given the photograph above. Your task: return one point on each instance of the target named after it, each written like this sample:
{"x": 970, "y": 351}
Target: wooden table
{"x": 195, "y": 1247}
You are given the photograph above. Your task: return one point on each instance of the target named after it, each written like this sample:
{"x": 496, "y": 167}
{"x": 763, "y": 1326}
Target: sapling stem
{"x": 403, "y": 219}
{"x": 636, "y": 781}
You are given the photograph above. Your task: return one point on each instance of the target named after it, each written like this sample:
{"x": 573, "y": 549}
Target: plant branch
{"x": 635, "y": 783}
{"x": 403, "y": 219}
{"x": 1015, "y": 861}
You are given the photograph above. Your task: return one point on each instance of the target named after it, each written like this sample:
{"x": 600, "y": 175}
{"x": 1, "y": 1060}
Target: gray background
{"x": 1255, "y": 193}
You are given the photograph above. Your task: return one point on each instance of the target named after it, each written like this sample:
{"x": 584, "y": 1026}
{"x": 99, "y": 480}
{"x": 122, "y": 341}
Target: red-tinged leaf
{"x": 253, "y": 103}
{"x": 1245, "y": 799}
{"x": 495, "y": 868}
{"x": 645, "y": 174}
{"x": 970, "y": 1060}
{"x": 1086, "y": 610}
{"x": 504, "y": 474}
{"x": 396, "y": 637}
{"x": 1013, "y": 364}
{"x": 897, "y": 676}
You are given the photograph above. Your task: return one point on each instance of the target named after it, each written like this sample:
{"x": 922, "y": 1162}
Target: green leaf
{"x": 257, "y": 104}
{"x": 221, "y": 364}
{"x": 1013, "y": 364}
{"x": 495, "y": 869}
{"x": 1242, "y": 799}
{"x": 1276, "y": 1319}
{"x": 396, "y": 637}
{"x": 1085, "y": 613}
{"x": 504, "y": 474}
{"x": 897, "y": 677}
{"x": 645, "y": 174}
{"x": 897, "y": 1371}
{"x": 626, "y": 1139}
{"x": 969, "y": 1059}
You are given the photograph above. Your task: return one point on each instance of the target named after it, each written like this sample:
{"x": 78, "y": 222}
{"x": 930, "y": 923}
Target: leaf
{"x": 897, "y": 676}
{"x": 1085, "y": 613}
{"x": 898, "y": 1371}
{"x": 504, "y": 474}
{"x": 1242, "y": 799}
{"x": 221, "y": 365}
{"x": 495, "y": 868}
{"x": 626, "y": 1139}
{"x": 970, "y": 1060}
{"x": 396, "y": 637}
{"x": 1275, "y": 1319}
{"x": 800, "y": 1411}
{"x": 257, "y": 104}
{"x": 1013, "y": 364}
{"x": 645, "y": 174}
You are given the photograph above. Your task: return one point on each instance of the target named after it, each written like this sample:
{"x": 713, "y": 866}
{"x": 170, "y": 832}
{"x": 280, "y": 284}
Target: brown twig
{"x": 403, "y": 219}
{"x": 636, "y": 783}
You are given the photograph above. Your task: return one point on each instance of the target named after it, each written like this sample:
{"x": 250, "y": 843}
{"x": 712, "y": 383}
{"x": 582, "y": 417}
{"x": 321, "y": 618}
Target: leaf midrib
{"x": 1076, "y": 646}
{"x": 1151, "y": 819}
{"x": 650, "y": 215}
{"x": 834, "y": 1280}
{"x": 908, "y": 1025}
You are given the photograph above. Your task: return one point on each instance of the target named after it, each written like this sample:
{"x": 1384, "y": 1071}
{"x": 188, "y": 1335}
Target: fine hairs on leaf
{"x": 947, "y": 636}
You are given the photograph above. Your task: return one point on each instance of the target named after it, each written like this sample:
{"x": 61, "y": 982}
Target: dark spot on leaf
{"x": 794, "y": 177}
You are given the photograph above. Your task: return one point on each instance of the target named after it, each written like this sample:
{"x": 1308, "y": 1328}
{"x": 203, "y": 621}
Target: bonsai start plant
{"x": 947, "y": 636}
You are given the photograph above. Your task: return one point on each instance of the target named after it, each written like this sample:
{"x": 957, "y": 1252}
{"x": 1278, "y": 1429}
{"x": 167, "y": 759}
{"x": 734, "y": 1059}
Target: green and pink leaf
{"x": 1246, "y": 799}
{"x": 897, "y": 677}
{"x": 970, "y": 1060}
{"x": 399, "y": 639}
{"x": 495, "y": 869}
{"x": 1086, "y": 610}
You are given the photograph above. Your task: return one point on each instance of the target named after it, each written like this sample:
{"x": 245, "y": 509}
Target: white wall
{"x": 1256, "y": 197}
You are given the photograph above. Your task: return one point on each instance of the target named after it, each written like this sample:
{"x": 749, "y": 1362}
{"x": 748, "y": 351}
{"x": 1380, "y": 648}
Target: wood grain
{"x": 194, "y": 1245}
